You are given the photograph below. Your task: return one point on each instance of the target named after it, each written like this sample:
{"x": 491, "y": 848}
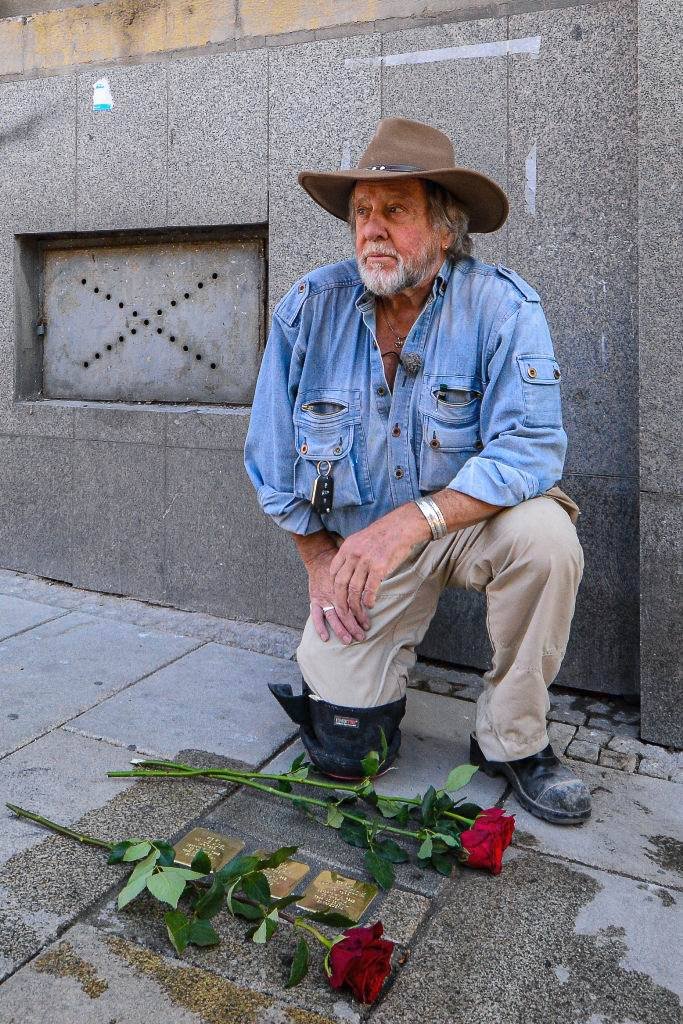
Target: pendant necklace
{"x": 400, "y": 339}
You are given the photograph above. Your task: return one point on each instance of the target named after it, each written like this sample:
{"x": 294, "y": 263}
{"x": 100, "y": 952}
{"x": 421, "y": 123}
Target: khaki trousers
{"x": 528, "y": 561}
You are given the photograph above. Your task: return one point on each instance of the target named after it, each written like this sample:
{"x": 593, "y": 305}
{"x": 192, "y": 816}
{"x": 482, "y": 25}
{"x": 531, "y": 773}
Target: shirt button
{"x": 302, "y": 287}
{"x": 479, "y": 445}
{"x": 398, "y": 472}
{"x": 532, "y": 371}
{"x": 396, "y": 431}
{"x": 381, "y": 391}
{"x": 556, "y": 374}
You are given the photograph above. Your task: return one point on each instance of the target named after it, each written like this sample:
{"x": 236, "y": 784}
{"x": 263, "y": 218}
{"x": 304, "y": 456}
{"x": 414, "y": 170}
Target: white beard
{"x": 406, "y": 273}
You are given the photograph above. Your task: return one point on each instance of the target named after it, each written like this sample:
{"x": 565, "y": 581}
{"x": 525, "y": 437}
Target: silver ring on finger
{"x": 327, "y": 608}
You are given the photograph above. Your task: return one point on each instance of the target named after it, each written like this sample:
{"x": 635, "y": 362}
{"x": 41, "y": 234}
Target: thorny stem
{"x": 294, "y": 797}
{"x": 236, "y": 776}
{"x": 61, "y": 829}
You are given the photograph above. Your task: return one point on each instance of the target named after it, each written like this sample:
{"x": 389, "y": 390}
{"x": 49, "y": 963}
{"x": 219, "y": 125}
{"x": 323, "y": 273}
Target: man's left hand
{"x": 369, "y": 556}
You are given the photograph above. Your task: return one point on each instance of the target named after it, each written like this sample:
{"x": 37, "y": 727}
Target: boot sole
{"x": 538, "y": 810}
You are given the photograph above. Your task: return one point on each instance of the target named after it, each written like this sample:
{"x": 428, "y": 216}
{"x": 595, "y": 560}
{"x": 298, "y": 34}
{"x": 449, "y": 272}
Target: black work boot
{"x": 336, "y": 737}
{"x": 544, "y": 785}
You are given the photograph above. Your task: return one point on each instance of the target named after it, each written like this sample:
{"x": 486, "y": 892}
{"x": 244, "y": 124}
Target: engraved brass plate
{"x": 285, "y": 878}
{"x": 220, "y": 849}
{"x": 331, "y": 891}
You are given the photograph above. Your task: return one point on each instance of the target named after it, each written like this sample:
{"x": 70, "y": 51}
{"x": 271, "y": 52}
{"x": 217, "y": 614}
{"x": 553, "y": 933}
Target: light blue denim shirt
{"x": 481, "y": 415}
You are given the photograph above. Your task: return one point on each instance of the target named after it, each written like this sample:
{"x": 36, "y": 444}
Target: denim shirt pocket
{"x": 541, "y": 390}
{"x": 328, "y": 429}
{"x": 449, "y": 410}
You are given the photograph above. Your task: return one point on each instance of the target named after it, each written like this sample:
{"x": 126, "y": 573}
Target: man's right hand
{"x": 321, "y": 592}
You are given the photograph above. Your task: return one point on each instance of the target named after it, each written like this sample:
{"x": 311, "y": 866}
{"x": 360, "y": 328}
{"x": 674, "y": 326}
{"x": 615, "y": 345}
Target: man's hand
{"x": 369, "y": 556}
{"x": 346, "y": 625}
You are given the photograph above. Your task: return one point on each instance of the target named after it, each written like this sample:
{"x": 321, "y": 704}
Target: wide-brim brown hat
{"x": 409, "y": 149}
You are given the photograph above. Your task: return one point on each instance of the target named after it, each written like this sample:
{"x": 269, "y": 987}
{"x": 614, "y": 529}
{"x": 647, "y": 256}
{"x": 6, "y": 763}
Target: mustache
{"x": 378, "y": 250}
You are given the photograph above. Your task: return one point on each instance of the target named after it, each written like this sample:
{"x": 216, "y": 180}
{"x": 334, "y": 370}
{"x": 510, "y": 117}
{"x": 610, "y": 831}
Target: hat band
{"x": 393, "y": 167}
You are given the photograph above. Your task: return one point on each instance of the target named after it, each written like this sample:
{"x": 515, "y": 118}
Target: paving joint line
{"x": 83, "y": 711}
{"x": 37, "y": 625}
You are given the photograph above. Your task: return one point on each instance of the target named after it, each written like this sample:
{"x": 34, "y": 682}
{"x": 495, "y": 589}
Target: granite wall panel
{"x": 117, "y": 520}
{"x": 466, "y": 97}
{"x": 122, "y": 152}
{"x": 322, "y": 116}
{"x": 218, "y": 139}
{"x": 576, "y": 104}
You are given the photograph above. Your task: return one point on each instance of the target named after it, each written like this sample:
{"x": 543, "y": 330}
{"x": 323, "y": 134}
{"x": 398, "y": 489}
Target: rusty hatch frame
{"x": 29, "y": 286}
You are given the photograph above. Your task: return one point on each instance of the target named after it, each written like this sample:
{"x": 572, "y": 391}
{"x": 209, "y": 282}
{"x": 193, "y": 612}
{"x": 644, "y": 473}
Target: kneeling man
{"x": 407, "y": 431}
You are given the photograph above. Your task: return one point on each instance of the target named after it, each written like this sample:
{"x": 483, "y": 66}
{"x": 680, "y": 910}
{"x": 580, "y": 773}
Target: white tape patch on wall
{"x": 499, "y": 48}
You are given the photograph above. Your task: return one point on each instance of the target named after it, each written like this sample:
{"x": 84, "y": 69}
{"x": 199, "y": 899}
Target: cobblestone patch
{"x": 581, "y": 727}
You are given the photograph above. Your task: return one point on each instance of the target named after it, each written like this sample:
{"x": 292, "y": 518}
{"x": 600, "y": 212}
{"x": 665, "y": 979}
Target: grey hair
{"x": 444, "y": 212}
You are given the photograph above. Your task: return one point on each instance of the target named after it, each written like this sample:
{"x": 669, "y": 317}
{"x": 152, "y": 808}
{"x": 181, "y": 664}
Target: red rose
{"x": 361, "y": 960}
{"x": 489, "y": 836}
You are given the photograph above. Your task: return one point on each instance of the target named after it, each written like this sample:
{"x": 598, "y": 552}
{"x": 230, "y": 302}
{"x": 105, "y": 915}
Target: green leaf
{"x": 459, "y": 777}
{"x": 426, "y": 849}
{"x": 299, "y": 967}
{"x": 203, "y": 933}
{"x": 137, "y": 851}
{"x": 178, "y": 928}
{"x": 278, "y": 857}
{"x": 442, "y": 863}
{"x": 210, "y": 903}
{"x": 354, "y": 834}
{"x": 166, "y": 887}
{"x": 370, "y": 764}
{"x": 117, "y": 851}
{"x": 201, "y": 862}
{"x": 131, "y": 890}
{"x": 300, "y": 775}
{"x": 236, "y": 867}
{"x": 266, "y": 929}
{"x": 391, "y": 851}
{"x": 246, "y": 910}
{"x": 427, "y": 807}
{"x": 166, "y": 852}
{"x": 144, "y": 867}
{"x": 187, "y": 873}
{"x": 381, "y": 870}
{"x": 383, "y": 746}
{"x": 447, "y": 839}
{"x": 388, "y": 809}
{"x": 297, "y": 763}
{"x": 329, "y": 917}
{"x": 468, "y": 810}
{"x": 335, "y": 818}
{"x": 256, "y": 887}
{"x": 284, "y": 787}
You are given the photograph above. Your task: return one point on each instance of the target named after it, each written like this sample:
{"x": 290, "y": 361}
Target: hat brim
{"x": 484, "y": 200}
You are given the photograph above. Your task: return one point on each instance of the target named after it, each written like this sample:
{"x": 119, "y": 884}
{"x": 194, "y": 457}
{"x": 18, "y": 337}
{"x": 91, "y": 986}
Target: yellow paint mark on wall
{"x": 273, "y": 17}
{"x": 78, "y": 35}
{"x": 11, "y": 32}
{"x": 198, "y": 22}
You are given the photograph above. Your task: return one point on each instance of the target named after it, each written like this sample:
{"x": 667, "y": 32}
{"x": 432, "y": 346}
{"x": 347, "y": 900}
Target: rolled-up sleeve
{"x": 269, "y": 452}
{"x": 524, "y": 444}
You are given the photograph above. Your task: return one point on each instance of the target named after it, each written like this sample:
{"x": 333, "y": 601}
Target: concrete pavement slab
{"x": 46, "y": 886}
{"x": 72, "y": 663}
{"x": 215, "y": 699}
{"x": 636, "y": 827}
{"x": 544, "y": 941}
{"x": 435, "y": 738}
{"x": 60, "y": 776}
{"x": 18, "y": 615}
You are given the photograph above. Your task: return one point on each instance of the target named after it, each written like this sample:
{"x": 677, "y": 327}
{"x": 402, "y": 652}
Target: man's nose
{"x": 375, "y": 227}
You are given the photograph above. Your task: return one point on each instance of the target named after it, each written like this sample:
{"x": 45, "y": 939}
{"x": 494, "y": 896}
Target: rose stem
{"x": 61, "y": 829}
{"x": 228, "y": 774}
{"x": 299, "y": 922}
{"x": 266, "y": 789}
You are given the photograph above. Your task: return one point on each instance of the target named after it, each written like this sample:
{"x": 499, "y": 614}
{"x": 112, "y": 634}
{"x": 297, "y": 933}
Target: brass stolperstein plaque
{"x": 283, "y": 879}
{"x": 330, "y": 891}
{"x": 220, "y": 849}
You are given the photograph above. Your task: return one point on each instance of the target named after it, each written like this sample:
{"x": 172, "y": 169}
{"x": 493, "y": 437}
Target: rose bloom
{"x": 361, "y": 960}
{"x": 490, "y": 835}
